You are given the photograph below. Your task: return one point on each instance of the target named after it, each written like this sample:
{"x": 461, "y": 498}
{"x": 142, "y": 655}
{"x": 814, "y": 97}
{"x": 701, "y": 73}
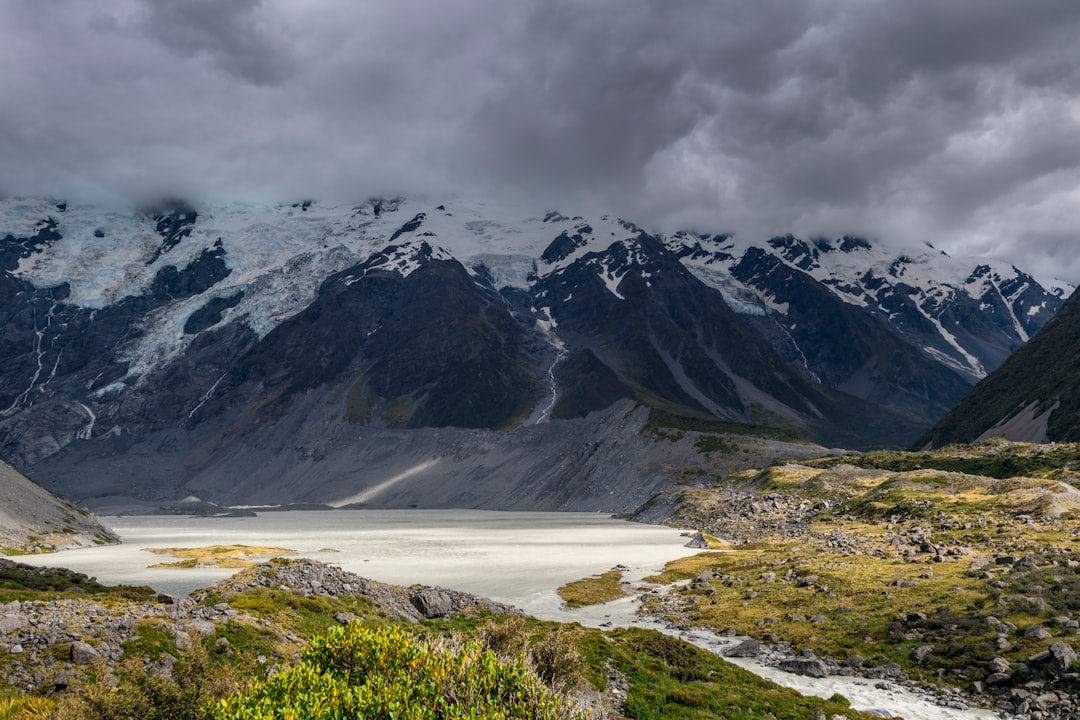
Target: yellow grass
{"x": 223, "y": 556}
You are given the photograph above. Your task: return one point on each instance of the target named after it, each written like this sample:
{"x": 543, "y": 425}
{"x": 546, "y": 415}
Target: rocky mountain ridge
{"x": 34, "y": 520}
{"x": 196, "y": 333}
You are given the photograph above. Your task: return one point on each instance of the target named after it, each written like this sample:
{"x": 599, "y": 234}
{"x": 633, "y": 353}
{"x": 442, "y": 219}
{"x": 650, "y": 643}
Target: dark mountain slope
{"x": 845, "y": 347}
{"x": 1039, "y": 383}
{"x": 654, "y": 332}
{"x": 430, "y": 349}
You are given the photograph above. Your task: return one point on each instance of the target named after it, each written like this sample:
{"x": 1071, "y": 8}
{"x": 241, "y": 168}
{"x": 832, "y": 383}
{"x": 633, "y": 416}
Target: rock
{"x": 998, "y": 678}
{"x": 182, "y": 640}
{"x": 201, "y": 628}
{"x": 1045, "y": 700}
{"x": 11, "y": 623}
{"x": 344, "y": 617}
{"x": 1055, "y": 661}
{"x": 806, "y": 581}
{"x": 697, "y": 540}
{"x": 1037, "y": 632}
{"x": 810, "y": 667}
{"x": 768, "y": 577}
{"x": 998, "y": 665}
{"x": 922, "y": 652}
{"x": 747, "y": 648}
{"x": 856, "y": 661}
{"x": 83, "y": 654}
{"x": 432, "y": 603}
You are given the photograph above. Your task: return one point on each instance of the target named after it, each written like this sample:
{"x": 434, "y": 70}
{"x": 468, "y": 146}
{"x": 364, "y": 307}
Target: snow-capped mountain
{"x": 200, "y": 327}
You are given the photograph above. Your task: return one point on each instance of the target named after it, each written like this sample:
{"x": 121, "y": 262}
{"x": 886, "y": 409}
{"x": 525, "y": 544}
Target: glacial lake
{"x": 519, "y": 558}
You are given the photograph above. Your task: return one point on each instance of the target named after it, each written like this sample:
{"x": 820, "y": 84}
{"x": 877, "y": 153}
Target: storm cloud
{"x": 956, "y": 122}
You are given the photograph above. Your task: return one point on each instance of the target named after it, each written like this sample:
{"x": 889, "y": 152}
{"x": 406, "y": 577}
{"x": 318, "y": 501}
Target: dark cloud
{"x": 953, "y": 122}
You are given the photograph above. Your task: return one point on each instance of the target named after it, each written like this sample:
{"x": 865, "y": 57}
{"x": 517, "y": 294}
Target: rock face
{"x": 34, "y": 520}
{"x": 148, "y": 356}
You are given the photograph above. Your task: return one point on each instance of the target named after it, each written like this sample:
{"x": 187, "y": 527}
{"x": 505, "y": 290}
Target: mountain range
{"x": 400, "y": 351}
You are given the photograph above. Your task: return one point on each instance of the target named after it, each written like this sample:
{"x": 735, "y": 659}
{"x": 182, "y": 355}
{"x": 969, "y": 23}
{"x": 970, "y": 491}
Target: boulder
{"x": 11, "y": 623}
{"x": 432, "y": 603}
{"x": 83, "y": 654}
{"x": 747, "y": 648}
{"x": 698, "y": 541}
{"x": 1055, "y": 661}
{"x": 1037, "y": 632}
{"x": 810, "y": 667}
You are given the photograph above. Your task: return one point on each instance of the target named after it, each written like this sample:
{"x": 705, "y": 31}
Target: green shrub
{"x": 356, "y": 672}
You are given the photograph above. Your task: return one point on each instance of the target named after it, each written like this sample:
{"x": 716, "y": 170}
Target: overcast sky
{"x": 950, "y": 121}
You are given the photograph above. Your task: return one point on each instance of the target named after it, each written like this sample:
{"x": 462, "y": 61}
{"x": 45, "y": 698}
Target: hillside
{"x": 1033, "y": 396}
{"x": 917, "y": 564}
{"x": 34, "y": 520}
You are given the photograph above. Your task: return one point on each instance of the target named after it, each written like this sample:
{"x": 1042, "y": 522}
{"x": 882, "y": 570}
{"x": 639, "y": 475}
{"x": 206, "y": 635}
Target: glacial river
{"x": 518, "y": 558}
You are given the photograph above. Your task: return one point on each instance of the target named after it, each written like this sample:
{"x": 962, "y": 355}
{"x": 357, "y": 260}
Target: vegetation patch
{"x": 223, "y": 556}
{"x": 594, "y": 590}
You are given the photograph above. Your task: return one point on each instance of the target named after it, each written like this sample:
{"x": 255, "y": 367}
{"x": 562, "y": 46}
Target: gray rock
{"x": 432, "y": 603}
{"x": 698, "y": 541}
{"x": 747, "y": 648}
{"x": 998, "y": 665}
{"x": 922, "y": 652}
{"x": 344, "y": 617}
{"x": 201, "y": 628}
{"x": 83, "y": 654}
{"x": 1037, "y": 632}
{"x": 11, "y": 623}
{"x": 810, "y": 667}
{"x": 1055, "y": 661}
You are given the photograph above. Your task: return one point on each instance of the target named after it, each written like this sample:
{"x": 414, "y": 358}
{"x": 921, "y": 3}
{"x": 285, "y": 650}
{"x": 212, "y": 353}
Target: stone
{"x": 432, "y": 603}
{"x": 1037, "y": 632}
{"x": 201, "y": 628}
{"x": 1055, "y": 661}
{"x": 922, "y": 652}
{"x": 998, "y": 665}
{"x": 747, "y": 648}
{"x": 182, "y": 640}
{"x": 806, "y": 581}
{"x": 698, "y": 541}
{"x": 810, "y": 667}
{"x": 83, "y": 653}
{"x": 345, "y": 617}
{"x": 11, "y": 623}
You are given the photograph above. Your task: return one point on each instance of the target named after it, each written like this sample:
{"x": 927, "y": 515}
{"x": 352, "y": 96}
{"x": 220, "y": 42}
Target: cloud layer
{"x": 950, "y": 122}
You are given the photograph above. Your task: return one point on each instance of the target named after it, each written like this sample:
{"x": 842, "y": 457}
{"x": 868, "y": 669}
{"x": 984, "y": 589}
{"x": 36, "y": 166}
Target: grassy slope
{"x": 880, "y": 562}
